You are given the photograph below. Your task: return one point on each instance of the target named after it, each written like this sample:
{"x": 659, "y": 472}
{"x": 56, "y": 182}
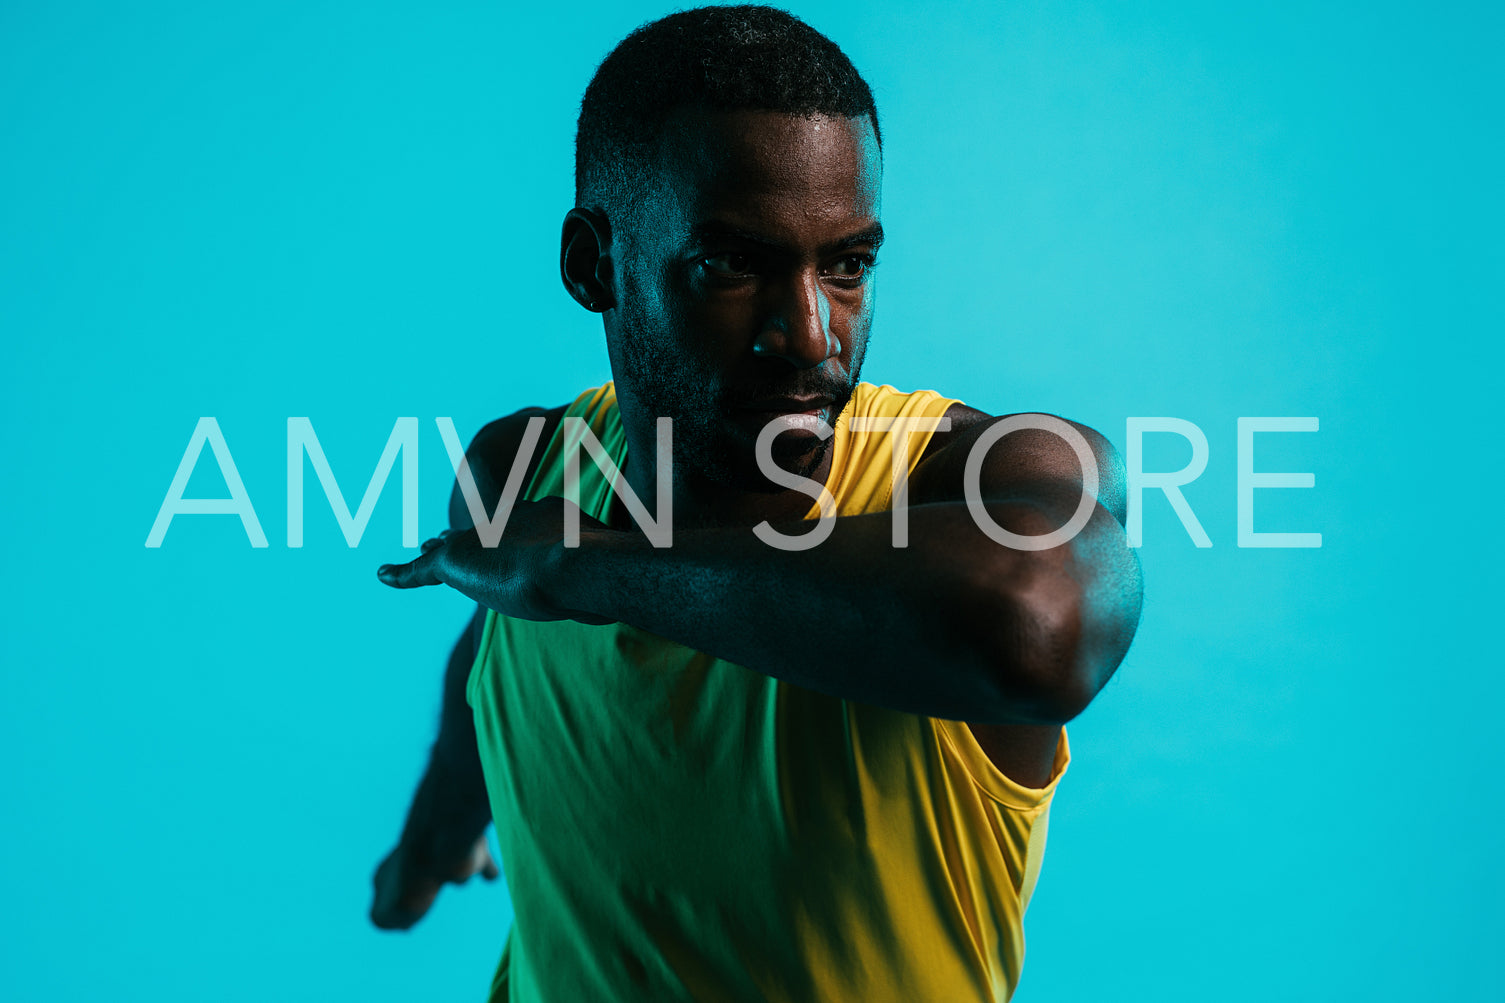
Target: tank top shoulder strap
{"x": 879, "y": 420}
{"x": 594, "y": 411}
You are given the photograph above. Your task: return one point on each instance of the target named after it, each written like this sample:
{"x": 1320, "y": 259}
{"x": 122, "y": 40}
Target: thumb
{"x": 422, "y": 570}
{"x": 478, "y": 862}
{"x": 481, "y": 862}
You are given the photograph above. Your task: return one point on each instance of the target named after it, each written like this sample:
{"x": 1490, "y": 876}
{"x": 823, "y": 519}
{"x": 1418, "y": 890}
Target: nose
{"x": 799, "y": 332}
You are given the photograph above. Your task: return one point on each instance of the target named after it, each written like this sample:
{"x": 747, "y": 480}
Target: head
{"x": 727, "y": 174}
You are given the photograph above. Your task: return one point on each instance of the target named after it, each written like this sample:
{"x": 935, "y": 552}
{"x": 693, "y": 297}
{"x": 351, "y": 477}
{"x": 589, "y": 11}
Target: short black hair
{"x": 740, "y": 58}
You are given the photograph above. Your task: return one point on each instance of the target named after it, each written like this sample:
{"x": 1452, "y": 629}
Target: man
{"x": 776, "y": 758}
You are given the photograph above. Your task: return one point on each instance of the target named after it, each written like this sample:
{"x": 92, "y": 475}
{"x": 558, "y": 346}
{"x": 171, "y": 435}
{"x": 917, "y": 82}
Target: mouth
{"x": 796, "y": 413}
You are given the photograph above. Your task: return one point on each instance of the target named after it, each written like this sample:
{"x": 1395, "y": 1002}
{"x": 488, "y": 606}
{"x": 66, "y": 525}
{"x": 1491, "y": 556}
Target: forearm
{"x": 954, "y": 625}
{"x": 451, "y": 804}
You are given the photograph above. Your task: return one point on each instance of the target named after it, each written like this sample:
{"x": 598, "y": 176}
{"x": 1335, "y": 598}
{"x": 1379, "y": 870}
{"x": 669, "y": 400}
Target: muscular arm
{"x": 954, "y": 626}
{"x": 457, "y": 803}
{"x": 442, "y": 837}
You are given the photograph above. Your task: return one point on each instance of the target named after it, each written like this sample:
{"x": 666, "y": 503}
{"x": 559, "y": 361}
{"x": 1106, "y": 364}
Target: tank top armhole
{"x": 988, "y": 778}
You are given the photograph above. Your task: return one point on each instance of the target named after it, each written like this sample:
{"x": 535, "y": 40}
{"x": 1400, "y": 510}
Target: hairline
{"x": 656, "y": 147}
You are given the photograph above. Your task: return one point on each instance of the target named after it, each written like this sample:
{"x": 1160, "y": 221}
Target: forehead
{"x": 783, "y": 175}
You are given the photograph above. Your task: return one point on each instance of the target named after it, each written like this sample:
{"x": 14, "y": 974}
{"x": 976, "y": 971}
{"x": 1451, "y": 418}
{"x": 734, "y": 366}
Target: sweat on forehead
{"x": 820, "y": 162}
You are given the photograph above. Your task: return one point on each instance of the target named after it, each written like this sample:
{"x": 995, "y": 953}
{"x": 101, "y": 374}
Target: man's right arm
{"x": 490, "y": 456}
{"x": 443, "y": 839}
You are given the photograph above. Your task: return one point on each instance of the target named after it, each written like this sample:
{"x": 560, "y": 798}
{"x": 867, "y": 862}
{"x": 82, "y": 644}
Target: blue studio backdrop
{"x": 1109, "y": 211}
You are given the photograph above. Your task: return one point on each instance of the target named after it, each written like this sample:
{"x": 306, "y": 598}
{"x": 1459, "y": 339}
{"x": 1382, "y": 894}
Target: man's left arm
{"x": 955, "y": 625}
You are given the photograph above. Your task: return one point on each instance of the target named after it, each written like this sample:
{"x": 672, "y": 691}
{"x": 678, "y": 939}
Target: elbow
{"x": 1038, "y": 673}
{"x": 1042, "y": 649}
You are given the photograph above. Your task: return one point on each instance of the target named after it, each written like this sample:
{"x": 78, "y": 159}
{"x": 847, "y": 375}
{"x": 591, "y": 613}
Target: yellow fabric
{"x": 674, "y": 827}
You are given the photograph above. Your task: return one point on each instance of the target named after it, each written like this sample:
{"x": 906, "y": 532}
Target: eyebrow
{"x": 714, "y": 230}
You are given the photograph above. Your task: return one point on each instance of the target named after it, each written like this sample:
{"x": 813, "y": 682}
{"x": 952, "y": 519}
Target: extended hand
{"x": 513, "y": 577}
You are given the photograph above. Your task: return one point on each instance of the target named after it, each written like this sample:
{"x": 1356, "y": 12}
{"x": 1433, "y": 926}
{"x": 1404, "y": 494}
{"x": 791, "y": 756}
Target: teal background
{"x": 350, "y": 212}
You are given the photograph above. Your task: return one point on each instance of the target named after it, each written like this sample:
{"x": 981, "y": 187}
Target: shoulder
{"x": 493, "y": 451}
{"x": 1032, "y": 453}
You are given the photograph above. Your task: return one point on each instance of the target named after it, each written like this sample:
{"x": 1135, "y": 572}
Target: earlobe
{"x": 585, "y": 259}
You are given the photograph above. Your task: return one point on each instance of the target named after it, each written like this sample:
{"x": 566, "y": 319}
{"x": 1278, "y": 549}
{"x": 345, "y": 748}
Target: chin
{"x": 801, "y": 457}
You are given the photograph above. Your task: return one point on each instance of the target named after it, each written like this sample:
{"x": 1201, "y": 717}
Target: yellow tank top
{"x": 675, "y": 827}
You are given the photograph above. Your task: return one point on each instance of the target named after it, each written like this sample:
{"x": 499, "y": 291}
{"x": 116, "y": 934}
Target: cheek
{"x": 659, "y": 314}
{"x": 680, "y": 311}
{"x": 858, "y": 319}
{"x": 720, "y": 330}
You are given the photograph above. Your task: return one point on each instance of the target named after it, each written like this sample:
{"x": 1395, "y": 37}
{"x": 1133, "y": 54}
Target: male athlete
{"x": 781, "y": 757}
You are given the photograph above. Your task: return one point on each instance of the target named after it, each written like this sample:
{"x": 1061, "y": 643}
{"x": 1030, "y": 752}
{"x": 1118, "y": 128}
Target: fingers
{"x": 416, "y": 573}
{"x": 422, "y": 570}
{"x": 436, "y": 541}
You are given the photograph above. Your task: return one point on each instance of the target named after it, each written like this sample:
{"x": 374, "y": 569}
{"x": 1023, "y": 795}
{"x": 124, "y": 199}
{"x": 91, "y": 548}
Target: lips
{"x": 814, "y": 404}
{"x": 803, "y": 416}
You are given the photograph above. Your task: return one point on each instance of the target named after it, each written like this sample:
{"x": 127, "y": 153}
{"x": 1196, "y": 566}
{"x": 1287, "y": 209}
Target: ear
{"x": 585, "y": 259}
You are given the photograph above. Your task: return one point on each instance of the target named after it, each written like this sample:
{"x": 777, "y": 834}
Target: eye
{"x": 853, "y": 266}
{"x": 728, "y": 265}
